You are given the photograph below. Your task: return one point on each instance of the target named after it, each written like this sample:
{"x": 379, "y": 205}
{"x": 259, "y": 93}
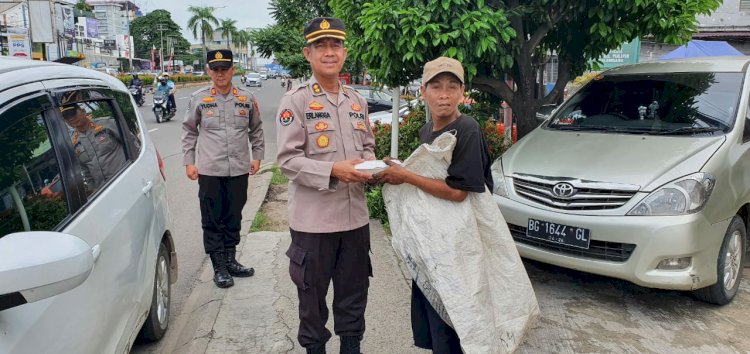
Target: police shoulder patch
{"x": 286, "y": 117}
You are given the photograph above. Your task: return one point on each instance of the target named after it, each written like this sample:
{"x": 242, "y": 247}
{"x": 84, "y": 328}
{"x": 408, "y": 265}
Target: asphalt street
{"x": 183, "y": 193}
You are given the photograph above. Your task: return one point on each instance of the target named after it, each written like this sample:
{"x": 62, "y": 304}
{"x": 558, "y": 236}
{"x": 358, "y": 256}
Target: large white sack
{"x": 462, "y": 256}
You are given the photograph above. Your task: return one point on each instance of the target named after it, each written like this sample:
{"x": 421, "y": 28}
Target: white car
{"x": 86, "y": 252}
{"x": 386, "y": 117}
{"x": 253, "y": 79}
{"x": 264, "y": 76}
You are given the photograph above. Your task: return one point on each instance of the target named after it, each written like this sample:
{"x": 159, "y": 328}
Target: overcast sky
{"x": 247, "y": 13}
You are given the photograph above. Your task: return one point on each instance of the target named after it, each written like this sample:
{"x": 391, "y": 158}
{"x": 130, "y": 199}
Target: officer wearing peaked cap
{"x": 322, "y": 133}
{"x": 220, "y": 121}
{"x": 97, "y": 143}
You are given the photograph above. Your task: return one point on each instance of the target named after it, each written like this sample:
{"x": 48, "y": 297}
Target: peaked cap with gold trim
{"x": 68, "y": 103}
{"x": 221, "y": 58}
{"x": 324, "y": 27}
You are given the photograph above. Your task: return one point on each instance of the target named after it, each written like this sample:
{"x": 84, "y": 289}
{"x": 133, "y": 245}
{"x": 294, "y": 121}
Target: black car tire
{"x": 718, "y": 293}
{"x": 154, "y": 329}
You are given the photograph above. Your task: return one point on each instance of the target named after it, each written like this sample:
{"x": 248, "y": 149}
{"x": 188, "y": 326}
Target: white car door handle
{"x": 147, "y": 187}
{"x": 95, "y": 252}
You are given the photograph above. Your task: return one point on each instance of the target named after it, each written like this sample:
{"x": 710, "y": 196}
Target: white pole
{"x": 395, "y": 92}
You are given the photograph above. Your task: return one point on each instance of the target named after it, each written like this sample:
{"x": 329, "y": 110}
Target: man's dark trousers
{"x": 221, "y": 202}
{"x": 315, "y": 260}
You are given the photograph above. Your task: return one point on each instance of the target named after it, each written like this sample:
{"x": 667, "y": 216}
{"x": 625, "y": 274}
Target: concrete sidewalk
{"x": 259, "y": 314}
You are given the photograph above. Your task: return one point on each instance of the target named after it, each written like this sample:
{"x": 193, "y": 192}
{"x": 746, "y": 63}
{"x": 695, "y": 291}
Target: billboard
{"x": 68, "y": 22}
{"x": 19, "y": 46}
{"x": 92, "y": 28}
{"x": 109, "y": 44}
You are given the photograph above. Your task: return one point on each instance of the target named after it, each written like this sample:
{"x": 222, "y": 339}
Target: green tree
{"x": 499, "y": 39}
{"x": 146, "y": 35}
{"x": 284, "y": 39}
{"x": 240, "y": 39}
{"x": 227, "y": 29}
{"x": 202, "y": 21}
{"x": 83, "y": 6}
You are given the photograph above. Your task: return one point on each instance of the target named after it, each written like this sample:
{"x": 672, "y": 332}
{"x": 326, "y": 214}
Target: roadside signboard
{"x": 628, "y": 53}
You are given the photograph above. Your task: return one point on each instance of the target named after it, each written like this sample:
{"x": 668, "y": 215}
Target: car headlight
{"x": 686, "y": 195}
{"x": 498, "y": 179}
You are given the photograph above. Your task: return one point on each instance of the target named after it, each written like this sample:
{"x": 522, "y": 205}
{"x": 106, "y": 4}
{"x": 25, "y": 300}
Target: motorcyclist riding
{"x": 137, "y": 82}
{"x": 169, "y": 89}
{"x": 164, "y": 86}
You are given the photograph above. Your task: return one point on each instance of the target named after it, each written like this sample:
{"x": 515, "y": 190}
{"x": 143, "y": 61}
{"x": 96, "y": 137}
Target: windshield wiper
{"x": 688, "y": 130}
{"x": 602, "y": 128}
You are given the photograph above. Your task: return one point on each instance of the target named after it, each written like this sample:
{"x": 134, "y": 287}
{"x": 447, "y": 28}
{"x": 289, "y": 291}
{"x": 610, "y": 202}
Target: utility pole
{"x": 130, "y": 49}
{"x": 161, "y": 29}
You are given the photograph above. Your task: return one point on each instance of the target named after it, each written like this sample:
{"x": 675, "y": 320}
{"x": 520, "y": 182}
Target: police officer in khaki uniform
{"x": 322, "y": 133}
{"x": 219, "y": 122}
{"x": 98, "y": 145}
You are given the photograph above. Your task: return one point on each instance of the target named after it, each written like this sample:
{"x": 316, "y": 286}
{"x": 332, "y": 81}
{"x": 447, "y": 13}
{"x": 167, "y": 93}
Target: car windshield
{"x": 253, "y": 75}
{"x": 663, "y": 104}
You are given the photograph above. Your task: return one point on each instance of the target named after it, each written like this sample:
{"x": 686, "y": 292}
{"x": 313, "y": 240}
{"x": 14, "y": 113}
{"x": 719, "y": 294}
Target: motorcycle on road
{"x": 137, "y": 93}
{"x": 160, "y": 107}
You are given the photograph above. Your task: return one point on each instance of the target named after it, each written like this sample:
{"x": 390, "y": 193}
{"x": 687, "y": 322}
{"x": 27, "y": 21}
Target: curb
{"x": 192, "y": 330}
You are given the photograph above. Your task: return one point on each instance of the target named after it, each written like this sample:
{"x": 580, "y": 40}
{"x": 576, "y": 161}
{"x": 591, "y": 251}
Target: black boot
{"x": 222, "y": 278}
{"x": 350, "y": 344}
{"x": 316, "y": 349}
{"x": 235, "y": 268}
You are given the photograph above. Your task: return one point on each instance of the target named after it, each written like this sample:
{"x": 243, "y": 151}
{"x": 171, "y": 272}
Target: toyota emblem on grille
{"x": 563, "y": 190}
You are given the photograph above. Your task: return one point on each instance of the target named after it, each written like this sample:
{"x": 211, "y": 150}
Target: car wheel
{"x": 157, "y": 321}
{"x": 729, "y": 266}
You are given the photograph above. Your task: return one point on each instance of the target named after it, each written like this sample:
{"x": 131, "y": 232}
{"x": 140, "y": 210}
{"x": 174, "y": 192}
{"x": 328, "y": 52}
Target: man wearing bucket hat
{"x": 469, "y": 172}
{"x": 322, "y": 132}
{"x": 219, "y": 122}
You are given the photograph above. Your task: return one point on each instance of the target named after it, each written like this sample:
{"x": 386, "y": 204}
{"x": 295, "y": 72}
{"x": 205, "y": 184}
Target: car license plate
{"x": 559, "y": 233}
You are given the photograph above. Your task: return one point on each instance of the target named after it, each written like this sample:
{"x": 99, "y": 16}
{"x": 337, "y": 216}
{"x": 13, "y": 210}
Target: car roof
{"x": 705, "y": 64}
{"x": 15, "y": 72}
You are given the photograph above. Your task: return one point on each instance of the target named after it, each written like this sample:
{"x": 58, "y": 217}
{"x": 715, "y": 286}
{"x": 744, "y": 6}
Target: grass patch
{"x": 278, "y": 178}
{"x": 260, "y": 222}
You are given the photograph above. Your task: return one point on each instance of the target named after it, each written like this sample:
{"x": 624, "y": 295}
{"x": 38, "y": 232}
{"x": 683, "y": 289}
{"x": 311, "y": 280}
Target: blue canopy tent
{"x": 697, "y": 48}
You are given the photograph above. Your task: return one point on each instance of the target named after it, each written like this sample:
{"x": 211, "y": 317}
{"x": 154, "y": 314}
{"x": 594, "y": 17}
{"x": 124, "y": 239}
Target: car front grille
{"x": 603, "y": 250}
{"x": 587, "y": 195}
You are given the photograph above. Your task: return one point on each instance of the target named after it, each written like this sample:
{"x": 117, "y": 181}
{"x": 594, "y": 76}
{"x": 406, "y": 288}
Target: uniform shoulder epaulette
{"x": 349, "y": 88}
{"x": 202, "y": 90}
{"x": 296, "y": 88}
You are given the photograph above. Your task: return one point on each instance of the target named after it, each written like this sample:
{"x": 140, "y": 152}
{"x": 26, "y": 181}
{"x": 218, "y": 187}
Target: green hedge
{"x": 177, "y": 78}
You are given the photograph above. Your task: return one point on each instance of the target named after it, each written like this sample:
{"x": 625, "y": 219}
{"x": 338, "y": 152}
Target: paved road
{"x": 182, "y": 193}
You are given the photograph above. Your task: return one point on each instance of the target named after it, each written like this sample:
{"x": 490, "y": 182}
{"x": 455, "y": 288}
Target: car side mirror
{"x": 40, "y": 264}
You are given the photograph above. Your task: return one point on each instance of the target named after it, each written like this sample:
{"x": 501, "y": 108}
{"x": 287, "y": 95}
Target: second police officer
{"x": 322, "y": 133}
{"x": 219, "y": 122}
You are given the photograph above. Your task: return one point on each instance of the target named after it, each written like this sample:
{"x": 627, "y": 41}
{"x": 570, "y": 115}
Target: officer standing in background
{"x": 219, "y": 121}
{"x": 322, "y": 132}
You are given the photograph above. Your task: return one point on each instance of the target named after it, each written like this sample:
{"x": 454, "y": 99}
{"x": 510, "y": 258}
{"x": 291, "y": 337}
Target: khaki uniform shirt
{"x": 100, "y": 151}
{"x": 314, "y": 129}
{"x": 219, "y": 128}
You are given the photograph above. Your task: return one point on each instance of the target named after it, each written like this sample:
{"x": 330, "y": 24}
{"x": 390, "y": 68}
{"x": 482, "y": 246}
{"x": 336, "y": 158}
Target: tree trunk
{"x": 205, "y": 55}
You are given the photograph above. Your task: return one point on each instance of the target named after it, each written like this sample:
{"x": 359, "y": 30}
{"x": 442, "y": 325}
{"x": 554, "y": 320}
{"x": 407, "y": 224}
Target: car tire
{"x": 157, "y": 321}
{"x": 729, "y": 266}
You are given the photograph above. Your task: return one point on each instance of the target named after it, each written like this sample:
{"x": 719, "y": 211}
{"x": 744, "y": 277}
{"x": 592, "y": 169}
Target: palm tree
{"x": 201, "y": 22}
{"x": 240, "y": 39}
{"x": 227, "y": 29}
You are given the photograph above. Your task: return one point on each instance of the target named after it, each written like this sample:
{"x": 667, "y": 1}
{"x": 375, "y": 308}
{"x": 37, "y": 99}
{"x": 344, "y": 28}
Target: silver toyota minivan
{"x": 642, "y": 175}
